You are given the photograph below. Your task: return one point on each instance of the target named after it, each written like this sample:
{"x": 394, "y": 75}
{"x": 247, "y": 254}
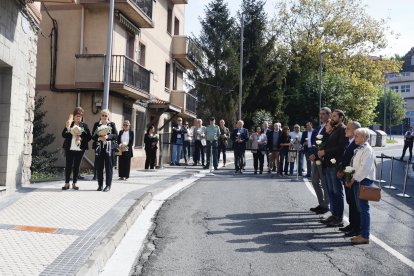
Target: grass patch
{"x": 40, "y": 177}
{"x": 391, "y": 141}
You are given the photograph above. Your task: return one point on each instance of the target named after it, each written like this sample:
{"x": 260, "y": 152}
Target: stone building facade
{"x": 19, "y": 23}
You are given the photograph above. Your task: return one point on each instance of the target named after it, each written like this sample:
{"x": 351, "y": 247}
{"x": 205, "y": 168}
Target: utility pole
{"x": 241, "y": 67}
{"x": 108, "y": 56}
{"x": 390, "y": 115}
{"x": 385, "y": 109}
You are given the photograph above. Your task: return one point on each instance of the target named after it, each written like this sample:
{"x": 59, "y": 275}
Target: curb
{"x": 106, "y": 248}
{"x": 96, "y": 262}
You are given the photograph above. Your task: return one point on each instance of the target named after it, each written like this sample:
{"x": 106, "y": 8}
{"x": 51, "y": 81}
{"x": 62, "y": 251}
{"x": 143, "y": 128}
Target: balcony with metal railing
{"x": 186, "y": 101}
{"x": 127, "y": 77}
{"x": 186, "y": 52}
{"x": 138, "y": 11}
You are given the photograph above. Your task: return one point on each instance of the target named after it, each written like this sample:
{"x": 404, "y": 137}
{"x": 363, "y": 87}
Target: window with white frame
{"x": 394, "y": 87}
{"x": 405, "y": 74}
{"x": 405, "y": 88}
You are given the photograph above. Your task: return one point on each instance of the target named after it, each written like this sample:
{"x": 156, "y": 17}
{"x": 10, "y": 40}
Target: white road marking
{"x": 131, "y": 245}
{"x": 382, "y": 244}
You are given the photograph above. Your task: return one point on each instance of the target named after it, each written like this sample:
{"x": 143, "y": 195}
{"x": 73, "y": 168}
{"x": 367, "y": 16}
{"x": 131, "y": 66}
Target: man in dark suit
{"x": 354, "y": 227}
{"x": 239, "y": 136}
{"x": 306, "y": 142}
{"x": 318, "y": 177}
{"x": 272, "y": 145}
{"x": 334, "y": 150}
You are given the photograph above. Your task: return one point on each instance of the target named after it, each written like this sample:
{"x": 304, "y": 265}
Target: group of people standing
{"x": 336, "y": 146}
{"x": 328, "y": 151}
{"x": 206, "y": 142}
{"x": 107, "y": 143}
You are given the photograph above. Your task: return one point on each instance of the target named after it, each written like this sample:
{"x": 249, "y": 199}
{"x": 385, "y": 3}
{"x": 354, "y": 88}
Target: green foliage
{"x": 391, "y": 141}
{"x": 216, "y": 75}
{"x": 260, "y": 116}
{"x": 40, "y": 176}
{"x": 341, "y": 33}
{"x": 42, "y": 160}
{"x": 394, "y": 108}
{"x": 282, "y": 60}
{"x": 262, "y": 71}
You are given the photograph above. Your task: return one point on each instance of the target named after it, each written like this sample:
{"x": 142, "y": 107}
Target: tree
{"x": 342, "y": 33}
{"x": 260, "y": 116}
{"x": 394, "y": 108}
{"x": 216, "y": 75}
{"x": 42, "y": 160}
{"x": 262, "y": 70}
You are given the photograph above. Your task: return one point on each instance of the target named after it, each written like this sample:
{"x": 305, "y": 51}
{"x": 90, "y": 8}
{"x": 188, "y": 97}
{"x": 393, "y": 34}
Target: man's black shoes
{"x": 346, "y": 228}
{"x": 315, "y": 208}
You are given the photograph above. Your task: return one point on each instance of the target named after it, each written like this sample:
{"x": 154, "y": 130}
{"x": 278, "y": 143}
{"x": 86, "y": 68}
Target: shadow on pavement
{"x": 280, "y": 232}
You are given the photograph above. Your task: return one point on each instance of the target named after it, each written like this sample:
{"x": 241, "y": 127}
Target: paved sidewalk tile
{"x": 60, "y": 229}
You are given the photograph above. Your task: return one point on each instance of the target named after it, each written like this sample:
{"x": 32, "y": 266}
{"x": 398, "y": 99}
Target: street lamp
{"x": 241, "y": 66}
{"x": 108, "y": 56}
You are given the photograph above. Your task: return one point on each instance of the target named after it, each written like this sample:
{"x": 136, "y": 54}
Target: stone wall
{"x": 18, "y": 48}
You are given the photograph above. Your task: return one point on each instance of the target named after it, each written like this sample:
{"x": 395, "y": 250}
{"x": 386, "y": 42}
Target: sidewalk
{"x": 47, "y": 231}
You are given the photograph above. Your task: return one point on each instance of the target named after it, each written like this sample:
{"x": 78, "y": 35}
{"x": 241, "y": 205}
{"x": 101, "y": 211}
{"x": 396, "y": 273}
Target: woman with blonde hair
{"x": 105, "y": 135}
{"x": 125, "y": 142}
{"x": 77, "y": 136}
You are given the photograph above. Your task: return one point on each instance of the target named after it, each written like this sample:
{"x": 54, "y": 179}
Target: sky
{"x": 400, "y": 15}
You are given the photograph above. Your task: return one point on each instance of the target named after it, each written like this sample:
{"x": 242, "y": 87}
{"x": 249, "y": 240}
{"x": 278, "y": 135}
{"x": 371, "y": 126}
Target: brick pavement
{"x": 63, "y": 228}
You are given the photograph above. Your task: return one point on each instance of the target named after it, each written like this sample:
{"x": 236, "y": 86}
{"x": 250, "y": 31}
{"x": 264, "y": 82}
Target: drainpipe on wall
{"x": 53, "y": 54}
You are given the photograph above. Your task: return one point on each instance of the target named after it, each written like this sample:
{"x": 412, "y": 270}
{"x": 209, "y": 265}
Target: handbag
{"x": 370, "y": 193}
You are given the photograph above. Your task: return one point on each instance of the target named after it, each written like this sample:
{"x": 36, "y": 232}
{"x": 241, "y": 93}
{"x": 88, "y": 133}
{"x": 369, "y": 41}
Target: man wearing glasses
{"x": 318, "y": 176}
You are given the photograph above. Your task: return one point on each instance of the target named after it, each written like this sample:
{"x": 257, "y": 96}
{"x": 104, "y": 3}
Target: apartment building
{"x": 403, "y": 82}
{"x": 19, "y": 23}
{"x": 150, "y": 55}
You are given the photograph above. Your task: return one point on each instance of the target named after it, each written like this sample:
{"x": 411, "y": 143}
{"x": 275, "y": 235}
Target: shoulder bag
{"x": 370, "y": 193}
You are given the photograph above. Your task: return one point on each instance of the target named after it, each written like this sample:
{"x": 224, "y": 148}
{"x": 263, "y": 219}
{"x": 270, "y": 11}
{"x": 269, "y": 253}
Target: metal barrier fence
{"x": 390, "y": 186}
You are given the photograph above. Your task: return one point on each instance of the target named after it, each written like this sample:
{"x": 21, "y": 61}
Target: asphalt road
{"x": 260, "y": 225}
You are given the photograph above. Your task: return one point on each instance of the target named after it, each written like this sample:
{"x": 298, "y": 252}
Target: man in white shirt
{"x": 296, "y": 137}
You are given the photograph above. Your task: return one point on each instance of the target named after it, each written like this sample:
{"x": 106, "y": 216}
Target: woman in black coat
{"x": 150, "y": 141}
{"x": 77, "y": 136}
{"x": 105, "y": 136}
{"x": 125, "y": 142}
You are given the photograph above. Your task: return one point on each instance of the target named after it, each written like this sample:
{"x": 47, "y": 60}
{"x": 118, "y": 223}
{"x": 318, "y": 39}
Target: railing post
{"x": 391, "y": 175}
{"x": 403, "y": 194}
{"x": 382, "y": 166}
{"x": 297, "y": 166}
{"x": 161, "y": 159}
